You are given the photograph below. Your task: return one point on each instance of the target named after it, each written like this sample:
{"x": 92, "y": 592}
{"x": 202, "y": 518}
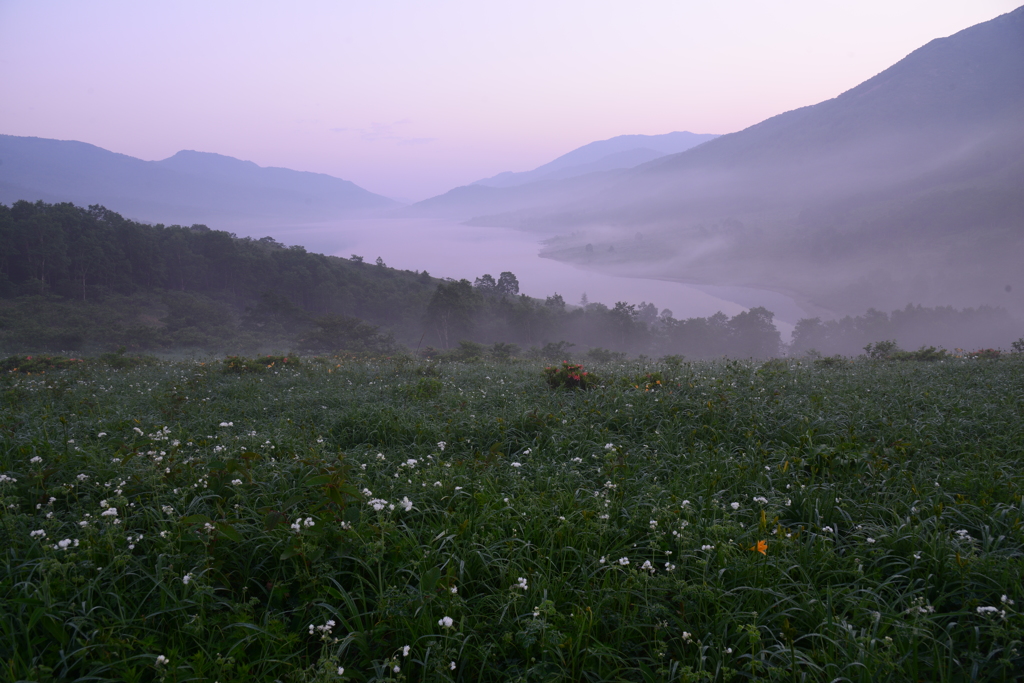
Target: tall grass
{"x": 292, "y": 522}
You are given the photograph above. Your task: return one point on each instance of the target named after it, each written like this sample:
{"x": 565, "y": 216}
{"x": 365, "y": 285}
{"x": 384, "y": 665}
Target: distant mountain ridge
{"x": 907, "y": 187}
{"x": 623, "y": 151}
{"x": 189, "y": 187}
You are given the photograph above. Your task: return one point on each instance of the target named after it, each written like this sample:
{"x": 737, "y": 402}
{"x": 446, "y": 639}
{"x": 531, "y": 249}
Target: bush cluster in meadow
{"x": 397, "y": 520}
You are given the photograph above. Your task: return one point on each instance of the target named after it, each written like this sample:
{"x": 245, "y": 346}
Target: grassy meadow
{"x": 401, "y": 520}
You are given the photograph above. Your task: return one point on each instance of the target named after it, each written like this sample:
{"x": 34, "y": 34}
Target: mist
{"x": 890, "y": 212}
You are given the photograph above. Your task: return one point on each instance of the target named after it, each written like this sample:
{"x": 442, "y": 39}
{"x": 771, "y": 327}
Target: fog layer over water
{"x": 447, "y": 248}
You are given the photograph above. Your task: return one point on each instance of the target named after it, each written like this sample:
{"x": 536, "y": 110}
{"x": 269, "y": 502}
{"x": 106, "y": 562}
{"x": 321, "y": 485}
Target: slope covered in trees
{"x": 86, "y": 279}
{"x": 76, "y": 279}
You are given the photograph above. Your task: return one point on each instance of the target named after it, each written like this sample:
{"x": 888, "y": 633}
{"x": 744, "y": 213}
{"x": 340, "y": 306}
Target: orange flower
{"x": 761, "y": 547}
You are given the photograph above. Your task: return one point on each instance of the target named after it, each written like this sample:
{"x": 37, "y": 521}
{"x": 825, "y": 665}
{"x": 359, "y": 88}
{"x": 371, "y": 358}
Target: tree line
{"x": 76, "y": 279}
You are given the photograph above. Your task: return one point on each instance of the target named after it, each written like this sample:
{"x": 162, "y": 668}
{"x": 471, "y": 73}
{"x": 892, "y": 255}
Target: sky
{"x": 410, "y": 99}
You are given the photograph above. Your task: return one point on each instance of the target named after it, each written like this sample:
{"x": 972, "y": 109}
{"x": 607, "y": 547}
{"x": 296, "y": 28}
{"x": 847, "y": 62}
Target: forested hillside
{"x": 88, "y": 280}
{"x": 77, "y": 279}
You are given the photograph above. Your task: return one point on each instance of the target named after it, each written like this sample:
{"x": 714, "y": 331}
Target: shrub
{"x": 882, "y": 350}
{"x": 674, "y": 361}
{"x": 502, "y": 351}
{"x": 241, "y": 364}
{"x": 555, "y": 350}
{"x": 424, "y": 388}
{"x": 468, "y": 351}
{"x": 34, "y": 364}
{"x": 569, "y": 376}
{"x": 121, "y": 361}
{"x": 599, "y": 355}
{"x": 922, "y": 354}
{"x": 646, "y": 381}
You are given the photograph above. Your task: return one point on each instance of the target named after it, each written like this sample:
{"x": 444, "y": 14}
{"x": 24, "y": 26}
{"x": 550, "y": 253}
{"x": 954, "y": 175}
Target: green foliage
{"x": 468, "y": 351}
{"x": 599, "y": 355}
{"x": 241, "y": 364}
{"x": 122, "y": 361}
{"x": 570, "y": 376}
{"x": 746, "y": 521}
{"x": 87, "y": 278}
{"x": 889, "y": 350}
{"x": 37, "y": 364}
{"x": 922, "y": 354}
{"x": 451, "y": 311}
{"x": 911, "y": 326}
{"x": 673, "y": 362}
{"x": 647, "y": 381}
{"x": 339, "y": 333}
{"x": 1018, "y": 346}
{"x": 502, "y": 351}
{"x": 426, "y": 388}
{"x": 882, "y": 350}
{"x": 555, "y": 350}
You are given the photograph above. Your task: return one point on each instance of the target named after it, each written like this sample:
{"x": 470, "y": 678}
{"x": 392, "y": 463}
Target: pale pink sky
{"x": 410, "y": 99}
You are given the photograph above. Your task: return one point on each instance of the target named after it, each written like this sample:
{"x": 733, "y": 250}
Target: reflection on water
{"x": 448, "y": 249}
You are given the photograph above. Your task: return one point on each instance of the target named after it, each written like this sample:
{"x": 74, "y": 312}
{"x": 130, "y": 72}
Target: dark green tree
{"x": 752, "y": 334}
{"x": 508, "y": 284}
{"x": 450, "y": 311}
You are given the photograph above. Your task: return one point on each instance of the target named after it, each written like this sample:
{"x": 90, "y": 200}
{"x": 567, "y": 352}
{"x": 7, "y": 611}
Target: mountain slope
{"x": 623, "y": 151}
{"x": 905, "y": 188}
{"x": 189, "y": 187}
